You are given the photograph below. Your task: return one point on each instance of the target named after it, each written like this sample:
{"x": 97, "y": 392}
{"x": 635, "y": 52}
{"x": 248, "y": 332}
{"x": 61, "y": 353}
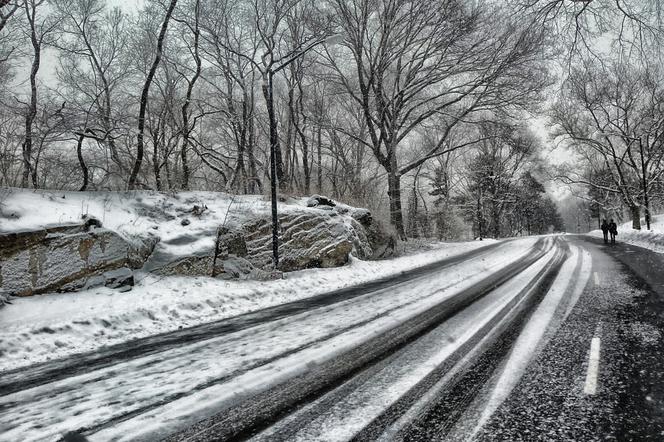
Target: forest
{"x": 425, "y": 112}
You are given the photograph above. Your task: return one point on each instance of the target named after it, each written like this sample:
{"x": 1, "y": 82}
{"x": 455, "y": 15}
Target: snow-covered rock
{"x": 319, "y": 201}
{"x": 59, "y": 258}
{"x": 188, "y": 234}
{"x": 307, "y": 239}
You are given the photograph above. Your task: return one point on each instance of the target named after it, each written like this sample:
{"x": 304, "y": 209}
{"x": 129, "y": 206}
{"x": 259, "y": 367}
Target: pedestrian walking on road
{"x": 605, "y": 231}
{"x": 613, "y": 230}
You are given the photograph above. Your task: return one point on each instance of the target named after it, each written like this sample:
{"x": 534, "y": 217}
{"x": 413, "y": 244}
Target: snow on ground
{"x": 184, "y": 383}
{"x": 652, "y": 239}
{"x": 140, "y": 213}
{"x": 51, "y": 326}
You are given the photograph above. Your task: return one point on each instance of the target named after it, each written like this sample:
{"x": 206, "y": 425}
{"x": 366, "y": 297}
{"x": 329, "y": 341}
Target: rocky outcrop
{"x": 194, "y": 265}
{"x": 226, "y": 261}
{"x": 70, "y": 257}
{"x": 382, "y": 243}
{"x": 307, "y": 239}
{"x": 62, "y": 258}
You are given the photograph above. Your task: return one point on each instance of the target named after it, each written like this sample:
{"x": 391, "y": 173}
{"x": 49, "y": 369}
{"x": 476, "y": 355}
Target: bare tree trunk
{"x": 186, "y": 130}
{"x": 81, "y": 162}
{"x": 300, "y": 129}
{"x": 644, "y": 181}
{"x": 144, "y": 96}
{"x": 480, "y": 232}
{"x": 30, "y": 10}
{"x": 279, "y": 161}
{"x": 156, "y": 166}
{"x": 394, "y": 194}
{"x": 255, "y": 183}
{"x": 275, "y": 157}
{"x": 495, "y": 215}
{"x": 319, "y": 154}
{"x": 635, "y": 211}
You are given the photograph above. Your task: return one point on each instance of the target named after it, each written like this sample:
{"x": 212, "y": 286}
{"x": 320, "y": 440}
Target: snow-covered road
{"x": 154, "y": 395}
{"x": 341, "y": 415}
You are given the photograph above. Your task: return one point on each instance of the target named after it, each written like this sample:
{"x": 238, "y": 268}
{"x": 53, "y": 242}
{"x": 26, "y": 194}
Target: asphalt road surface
{"x": 560, "y": 338}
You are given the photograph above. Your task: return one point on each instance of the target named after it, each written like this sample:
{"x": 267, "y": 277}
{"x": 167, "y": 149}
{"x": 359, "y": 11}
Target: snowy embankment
{"x": 44, "y": 327}
{"x": 652, "y": 239}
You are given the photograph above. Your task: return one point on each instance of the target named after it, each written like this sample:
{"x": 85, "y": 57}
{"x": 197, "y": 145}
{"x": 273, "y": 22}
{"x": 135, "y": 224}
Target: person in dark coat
{"x": 605, "y": 231}
{"x": 613, "y": 230}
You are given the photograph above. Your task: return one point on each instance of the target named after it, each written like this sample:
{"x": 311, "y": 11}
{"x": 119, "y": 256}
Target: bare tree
{"x": 231, "y": 51}
{"x": 94, "y": 61}
{"x": 416, "y": 62}
{"x": 269, "y": 20}
{"x": 144, "y": 95}
{"x": 40, "y": 26}
{"x": 614, "y": 118}
{"x": 499, "y": 162}
{"x": 578, "y": 23}
{"x": 8, "y": 36}
{"x": 192, "y": 45}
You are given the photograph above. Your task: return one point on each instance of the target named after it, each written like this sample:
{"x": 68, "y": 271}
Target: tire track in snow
{"x": 361, "y": 407}
{"x": 534, "y": 334}
{"x": 271, "y": 405}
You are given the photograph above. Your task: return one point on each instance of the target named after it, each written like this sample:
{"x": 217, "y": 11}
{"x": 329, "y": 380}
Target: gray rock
{"x": 342, "y": 210}
{"x": 90, "y": 222}
{"x": 307, "y": 240}
{"x": 319, "y": 201}
{"x": 363, "y": 216}
{"x": 121, "y": 277}
{"x": 92, "y": 282}
{"x": 235, "y": 267}
{"x": 61, "y": 258}
{"x": 230, "y": 242}
{"x": 4, "y": 299}
{"x": 383, "y": 243}
{"x": 197, "y": 265}
{"x": 141, "y": 248}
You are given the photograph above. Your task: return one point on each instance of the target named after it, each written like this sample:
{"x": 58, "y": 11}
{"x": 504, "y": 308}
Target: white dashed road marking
{"x": 593, "y": 363}
{"x": 596, "y": 278}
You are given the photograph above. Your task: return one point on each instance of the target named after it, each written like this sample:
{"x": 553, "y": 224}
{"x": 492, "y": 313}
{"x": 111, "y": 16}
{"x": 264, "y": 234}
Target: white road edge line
{"x": 593, "y": 366}
{"x": 596, "y": 278}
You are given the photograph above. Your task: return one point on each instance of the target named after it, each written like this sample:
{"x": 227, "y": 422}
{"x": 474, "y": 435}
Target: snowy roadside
{"x": 53, "y": 326}
{"x": 652, "y": 239}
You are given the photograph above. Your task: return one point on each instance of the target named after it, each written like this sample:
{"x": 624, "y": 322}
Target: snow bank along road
{"x": 440, "y": 353}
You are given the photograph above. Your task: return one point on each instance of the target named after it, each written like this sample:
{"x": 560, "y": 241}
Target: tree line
{"x": 386, "y": 103}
